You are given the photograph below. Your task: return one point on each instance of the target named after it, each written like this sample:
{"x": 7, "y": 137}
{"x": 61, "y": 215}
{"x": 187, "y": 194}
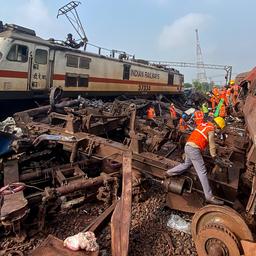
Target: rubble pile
{"x": 71, "y": 167}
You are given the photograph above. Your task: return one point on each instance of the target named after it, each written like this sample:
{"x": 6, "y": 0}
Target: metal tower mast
{"x": 201, "y": 74}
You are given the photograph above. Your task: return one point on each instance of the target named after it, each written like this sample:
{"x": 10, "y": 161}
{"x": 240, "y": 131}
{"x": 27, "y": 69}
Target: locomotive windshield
{"x": 18, "y": 53}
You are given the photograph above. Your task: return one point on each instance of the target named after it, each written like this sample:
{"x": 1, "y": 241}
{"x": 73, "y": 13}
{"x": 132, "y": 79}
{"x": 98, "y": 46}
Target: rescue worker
{"x": 223, "y": 95}
{"x": 215, "y": 91}
{"x": 151, "y": 114}
{"x": 198, "y": 116}
{"x": 173, "y": 115}
{"x": 173, "y": 112}
{"x": 220, "y": 108}
{"x": 205, "y": 109}
{"x": 234, "y": 91}
{"x": 213, "y": 102}
{"x": 223, "y": 112}
{"x": 228, "y": 94}
{"x": 196, "y": 143}
{"x": 182, "y": 123}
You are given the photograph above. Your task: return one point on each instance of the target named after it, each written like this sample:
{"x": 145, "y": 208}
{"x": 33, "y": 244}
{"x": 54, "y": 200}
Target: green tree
{"x": 198, "y": 86}
{"x": 188, "y": 85}
{"x": 201, "y": 87}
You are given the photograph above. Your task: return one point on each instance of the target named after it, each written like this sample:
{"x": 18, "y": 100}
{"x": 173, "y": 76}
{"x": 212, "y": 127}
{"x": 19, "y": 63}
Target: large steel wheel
{"x": 216, "y": 240}
{"x": 218, "y": 230}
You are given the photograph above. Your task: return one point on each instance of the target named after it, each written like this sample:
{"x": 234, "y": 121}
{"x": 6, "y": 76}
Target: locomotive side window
{"x": 84, "y": 63}
{"x": 83, "y": 81}
{"x": 170, "y": 79}
{"x": 18, "y": 53}
{"x": 72, "y": 61}
{"x": 181, "y": 80}
{"x": 41, "y": 56}
{"x": 71, "y": 80}
{"x": 126, "y": 72}
{"x": 75, "y": 80}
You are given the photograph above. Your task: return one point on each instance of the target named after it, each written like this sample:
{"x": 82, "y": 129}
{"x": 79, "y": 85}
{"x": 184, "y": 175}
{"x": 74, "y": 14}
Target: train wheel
{"x": 218, "y": 230}
{"x": 55, "y": 95}
{"x": 216, "y": 240}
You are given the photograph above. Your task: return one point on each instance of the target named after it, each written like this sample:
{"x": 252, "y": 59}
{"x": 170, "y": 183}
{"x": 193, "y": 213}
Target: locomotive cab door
{"x": 39, "y": 68}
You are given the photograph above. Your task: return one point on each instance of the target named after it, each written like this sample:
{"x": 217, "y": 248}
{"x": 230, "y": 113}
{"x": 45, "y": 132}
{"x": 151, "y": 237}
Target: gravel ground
{"x": 149, "y": 234}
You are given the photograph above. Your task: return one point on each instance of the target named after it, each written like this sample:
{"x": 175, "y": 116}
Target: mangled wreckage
{"x": 71, "y": 152}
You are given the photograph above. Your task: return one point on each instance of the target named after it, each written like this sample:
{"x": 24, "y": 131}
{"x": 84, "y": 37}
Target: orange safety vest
{"x": 235, "y": 88}
{"x": 182, "y": 125}
{"x": 223, "y": 95}
{"x": 213, "y": 101}
{"x": 198, "y": 117}
{"x": 200, "y": 135}
{"x": 151, "y": 113}
{"x": 215, "y": 91}
{"x": 228, "y": 93}
{"x": 222, "y": 112}
{"x": 173, "y": 112}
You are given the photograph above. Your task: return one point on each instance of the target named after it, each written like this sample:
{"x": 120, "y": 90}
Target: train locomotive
{"x": 30, "y": 66}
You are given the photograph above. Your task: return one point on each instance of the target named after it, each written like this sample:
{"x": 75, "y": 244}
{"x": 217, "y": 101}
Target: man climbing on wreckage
{"x": 196, "y": 143}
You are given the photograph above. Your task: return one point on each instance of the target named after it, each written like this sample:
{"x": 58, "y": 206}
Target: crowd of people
{"x": 201, "y": 126}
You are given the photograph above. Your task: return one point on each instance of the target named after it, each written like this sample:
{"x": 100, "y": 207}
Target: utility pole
{"x": 201, "y": 74}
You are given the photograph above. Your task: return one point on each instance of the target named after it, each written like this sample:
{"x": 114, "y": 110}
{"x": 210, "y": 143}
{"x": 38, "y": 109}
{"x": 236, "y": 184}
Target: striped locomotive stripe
{"x": 58, "y": 77}
{"x": 13, "y": 74}
{"x": 120, "y": 81}
{"x": 110, "y": 80}
{"x": 20, "y": 74}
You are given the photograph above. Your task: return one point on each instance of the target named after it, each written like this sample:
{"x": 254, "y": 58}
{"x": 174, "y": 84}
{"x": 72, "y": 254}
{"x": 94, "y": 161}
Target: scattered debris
{"x": 176, "y": 222}
{"x": 79, "y": 153}
{"x": 83, "y": 240}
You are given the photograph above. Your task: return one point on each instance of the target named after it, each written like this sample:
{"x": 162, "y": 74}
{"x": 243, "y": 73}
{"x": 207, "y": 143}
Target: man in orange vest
{"x": 151, "y": 114}
{"x": 213, "y": 100}
{"x": 223, "y": 95}
{"x": 198, "y": 117}
{"x": 235, "y": 91}
{"x": 223, "y": 111}
{"x": 196, "y": 143}
{"x": 173, "y": 115}
{"x": 182, "y": 123}
{"x": 173, "y": 112}
{"x": 215, "y": 91}
{"x": 228, "y": 94}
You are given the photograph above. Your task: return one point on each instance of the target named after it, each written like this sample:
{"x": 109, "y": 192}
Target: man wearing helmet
{"x": 70, "y": 41}
{"x": 234, "y": 91}
{"x": 182, "y": 123}
{"x": 196, "y": 143}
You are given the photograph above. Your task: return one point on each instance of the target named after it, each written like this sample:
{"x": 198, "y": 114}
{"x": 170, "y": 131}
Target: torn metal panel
{"x": 15, "y": 206}
{"x": 121, "y": 218}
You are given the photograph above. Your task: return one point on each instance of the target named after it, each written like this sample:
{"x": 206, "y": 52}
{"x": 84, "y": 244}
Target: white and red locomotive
{"x": 30, "y": 66}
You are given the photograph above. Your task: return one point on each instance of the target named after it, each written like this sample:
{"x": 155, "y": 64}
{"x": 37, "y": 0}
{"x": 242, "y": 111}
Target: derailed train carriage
{"x": 30, "y": 65}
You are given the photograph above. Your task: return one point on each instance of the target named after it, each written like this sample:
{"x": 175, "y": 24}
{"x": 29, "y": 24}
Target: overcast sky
{"x": 153, "y": 29}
